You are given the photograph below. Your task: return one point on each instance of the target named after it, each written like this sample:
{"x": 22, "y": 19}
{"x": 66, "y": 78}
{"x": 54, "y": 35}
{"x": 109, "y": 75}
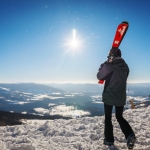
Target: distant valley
{"x": 69, "y": 100}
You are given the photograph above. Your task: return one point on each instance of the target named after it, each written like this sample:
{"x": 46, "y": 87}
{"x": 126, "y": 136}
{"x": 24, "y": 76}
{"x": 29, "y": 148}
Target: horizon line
{"x": 67, "y": 83}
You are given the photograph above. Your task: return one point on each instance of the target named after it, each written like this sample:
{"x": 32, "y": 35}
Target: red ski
{"x": 120, "y": 33}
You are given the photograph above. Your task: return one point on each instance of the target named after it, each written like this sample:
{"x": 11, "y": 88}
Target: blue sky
{"x": 35, "y": 37}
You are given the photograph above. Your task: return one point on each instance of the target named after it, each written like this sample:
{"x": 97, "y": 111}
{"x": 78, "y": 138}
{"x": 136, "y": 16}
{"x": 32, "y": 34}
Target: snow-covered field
{"x": 75, "y": 134}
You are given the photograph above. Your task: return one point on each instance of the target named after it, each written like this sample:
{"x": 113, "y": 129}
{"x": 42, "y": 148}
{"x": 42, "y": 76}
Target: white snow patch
{"x": 42, "y": 96}
{"x": 51, "y": 104}
{"x": 69, "y": 95}
{"x": 24, "y": 112}
{"x": 68, "y": 111}
{"x": 51, "y": 97}
{"x": 97, "y": 102}
{"x": 42, "y": 110}
{"x": 6, "y": 89}
{"x": 56, "y": 93}
{"x": 75, "y": 134}
{"x": 21, "y": 103}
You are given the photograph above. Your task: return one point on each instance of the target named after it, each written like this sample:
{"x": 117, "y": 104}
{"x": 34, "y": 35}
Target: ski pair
{"x": 120, "y": 33}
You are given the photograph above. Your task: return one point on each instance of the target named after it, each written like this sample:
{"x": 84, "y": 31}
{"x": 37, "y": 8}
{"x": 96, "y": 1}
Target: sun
{"x": 74, "y": 44}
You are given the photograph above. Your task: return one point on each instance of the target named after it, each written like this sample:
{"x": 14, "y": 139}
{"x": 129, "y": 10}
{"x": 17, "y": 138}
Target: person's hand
{"x": 101, "y": 66}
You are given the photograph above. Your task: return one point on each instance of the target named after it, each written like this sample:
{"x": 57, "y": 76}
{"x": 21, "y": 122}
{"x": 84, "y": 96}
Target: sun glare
{"x": 74, "y": 44}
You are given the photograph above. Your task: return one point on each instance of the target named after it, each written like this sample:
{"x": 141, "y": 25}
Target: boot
{"x": 108, "y": 143}
{"x": 131, "y": 141}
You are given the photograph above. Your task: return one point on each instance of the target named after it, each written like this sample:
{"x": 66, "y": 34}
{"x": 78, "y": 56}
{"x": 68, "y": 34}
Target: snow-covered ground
{"x": 75, "y": 134}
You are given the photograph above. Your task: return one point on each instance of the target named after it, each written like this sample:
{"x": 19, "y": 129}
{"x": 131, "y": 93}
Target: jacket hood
{"x": 119, "y": 63}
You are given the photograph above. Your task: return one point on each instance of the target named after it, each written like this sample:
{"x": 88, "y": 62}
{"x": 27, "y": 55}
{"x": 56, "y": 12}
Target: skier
{"x": 115, "y": 72}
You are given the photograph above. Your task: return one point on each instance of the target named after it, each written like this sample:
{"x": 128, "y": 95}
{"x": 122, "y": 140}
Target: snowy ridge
{"x": 75, "y": 134}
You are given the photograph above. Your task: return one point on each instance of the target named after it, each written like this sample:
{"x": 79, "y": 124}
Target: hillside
{"x": 8, "y": 118}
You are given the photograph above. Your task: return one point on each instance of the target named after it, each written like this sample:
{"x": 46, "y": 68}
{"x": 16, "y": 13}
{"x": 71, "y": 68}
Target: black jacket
{"x": 115, "y": 75}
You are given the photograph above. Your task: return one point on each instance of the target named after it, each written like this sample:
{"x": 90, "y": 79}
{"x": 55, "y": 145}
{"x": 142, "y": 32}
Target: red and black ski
{"x": 120, "y": 33}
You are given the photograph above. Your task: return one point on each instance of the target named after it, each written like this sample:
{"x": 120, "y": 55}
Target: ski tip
{"x": 126, "y": 22}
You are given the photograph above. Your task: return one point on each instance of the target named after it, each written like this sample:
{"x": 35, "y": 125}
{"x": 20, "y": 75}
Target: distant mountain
{"x": 22, "y": 97}
{"x": 88, "y": 88}
{"x": 28, "y": 88}
{"x": 133, "y": 89}
{"x": 138, "y": 89}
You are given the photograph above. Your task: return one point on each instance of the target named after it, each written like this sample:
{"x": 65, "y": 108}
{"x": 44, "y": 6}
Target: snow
{"x": 24, "y": 112}
{"x": 41, "y": 96}
{"x": 75, "y": 134}
{"x": 42, "y": 110}
{"x": 63, "y": 110}
{"x": 5, "y": 89}
{"x": 21, "y": 103}
{"x": 68, "y": 111}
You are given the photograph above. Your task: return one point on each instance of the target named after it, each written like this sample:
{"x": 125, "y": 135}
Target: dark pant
{"x": 124, "y": 125}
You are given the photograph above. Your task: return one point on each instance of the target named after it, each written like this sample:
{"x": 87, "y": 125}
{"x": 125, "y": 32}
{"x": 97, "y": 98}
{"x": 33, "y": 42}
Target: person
{"x": 115, "y": 72}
